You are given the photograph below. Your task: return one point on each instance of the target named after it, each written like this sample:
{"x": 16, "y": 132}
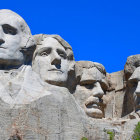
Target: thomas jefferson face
{"x": 10, "y": 39}
{"x": 90, "y": 92}
{"x": 51, "y": 62}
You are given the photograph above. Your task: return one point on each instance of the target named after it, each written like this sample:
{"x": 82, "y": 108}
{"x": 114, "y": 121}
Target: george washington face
{"x": 14, "y": 35}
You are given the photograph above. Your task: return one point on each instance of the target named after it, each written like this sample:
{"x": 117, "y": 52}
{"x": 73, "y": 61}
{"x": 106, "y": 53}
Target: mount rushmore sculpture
{"x": 46, "y": 95}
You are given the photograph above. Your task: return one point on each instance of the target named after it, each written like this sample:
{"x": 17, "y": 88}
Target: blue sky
{"x": 104, "y": 31}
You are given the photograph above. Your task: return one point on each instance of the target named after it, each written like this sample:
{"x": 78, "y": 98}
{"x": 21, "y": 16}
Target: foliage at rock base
{"x": 111, "y": 134}
{"x": 136, "y": 135}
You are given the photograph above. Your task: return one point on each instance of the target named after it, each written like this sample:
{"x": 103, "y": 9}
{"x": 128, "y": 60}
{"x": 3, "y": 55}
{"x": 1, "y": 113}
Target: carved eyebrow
{"x": 8, "y": 29}
{"x": 44, "y": 49}
{"x": 133, "y": 80}
{"x": 87, "y": 82}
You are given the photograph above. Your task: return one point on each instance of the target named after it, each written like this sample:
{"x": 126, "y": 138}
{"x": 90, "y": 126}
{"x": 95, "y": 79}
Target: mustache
{"x": 93, "y": 100}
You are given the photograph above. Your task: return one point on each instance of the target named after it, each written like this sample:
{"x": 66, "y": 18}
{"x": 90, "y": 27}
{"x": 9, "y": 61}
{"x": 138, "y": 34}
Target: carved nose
{"x": 57, "y": 63}
{"x": 1, "y": 41}
{"x": 98, "y": 92}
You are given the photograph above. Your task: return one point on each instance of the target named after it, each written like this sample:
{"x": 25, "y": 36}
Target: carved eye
{"x": 44, "y": 54}
{"x": 87, "y": 85}
{"x": 71, "y": 57}
{"x": 132, "y": 83}
{"x": 104, "y": 86}
{"x": 61, "y": 53}
{"x": 9, "y": 29}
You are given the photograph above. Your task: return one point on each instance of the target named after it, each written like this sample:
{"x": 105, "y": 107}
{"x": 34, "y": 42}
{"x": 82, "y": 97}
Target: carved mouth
{"x": 55, "y": 70}
{"x": 2, "y": 47}
{"x": 94, "y": 112}
{"x": 94, "y": 107}
{"x": 94, "y": 102}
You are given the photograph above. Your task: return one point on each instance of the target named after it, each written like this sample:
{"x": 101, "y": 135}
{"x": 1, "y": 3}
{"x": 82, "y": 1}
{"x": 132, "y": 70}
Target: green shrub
{"x": 84, "y": 138}
{"x": 136, "y": 135}
{"x": 111, "y": 134}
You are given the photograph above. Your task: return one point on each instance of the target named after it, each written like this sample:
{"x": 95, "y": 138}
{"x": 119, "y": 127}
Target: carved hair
{"x": 89, "y": 64}
{"x": 39, "y": 38}
{"x": 131, "y": 64}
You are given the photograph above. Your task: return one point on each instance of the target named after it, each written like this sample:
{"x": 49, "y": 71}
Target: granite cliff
{"x": 46, "y": 95}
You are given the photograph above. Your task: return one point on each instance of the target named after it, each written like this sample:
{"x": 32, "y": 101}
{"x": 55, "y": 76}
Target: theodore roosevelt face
{"x": 90, "y": 90}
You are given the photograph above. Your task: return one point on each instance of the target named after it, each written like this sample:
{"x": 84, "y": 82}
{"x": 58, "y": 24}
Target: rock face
{"x": 115, "y": 95}
{"x": 46, "y": 95}
{"x": 91, "y": 86}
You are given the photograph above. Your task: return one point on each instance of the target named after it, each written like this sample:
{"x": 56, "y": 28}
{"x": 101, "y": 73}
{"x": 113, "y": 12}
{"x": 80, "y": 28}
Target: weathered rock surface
{"x": 131, "y": 64}
{"x": 115, "y": 95}
{"x": 57, "y": 116}
{"x": 46, "y": 95}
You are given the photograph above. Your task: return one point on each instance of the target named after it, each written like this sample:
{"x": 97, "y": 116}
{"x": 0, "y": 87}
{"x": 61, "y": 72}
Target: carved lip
{"x": 2, "y": 47}
{"x": 55, "y": 70}
{"x": 94, "y": 112}
{"x": 93, "y": 106}
{"x": 94, "y": 102}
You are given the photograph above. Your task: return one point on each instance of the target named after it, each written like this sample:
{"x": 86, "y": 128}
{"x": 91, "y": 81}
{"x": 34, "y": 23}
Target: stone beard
{"x": 91, "y": 87}
{"x": 51, "y": 61}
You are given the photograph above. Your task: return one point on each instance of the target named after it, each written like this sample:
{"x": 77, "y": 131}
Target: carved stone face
{"x": 13, "y": 36}
{"x": 90, "y": 91}
{"x": 50, "y": 61}
{"x": 134, "y": 85}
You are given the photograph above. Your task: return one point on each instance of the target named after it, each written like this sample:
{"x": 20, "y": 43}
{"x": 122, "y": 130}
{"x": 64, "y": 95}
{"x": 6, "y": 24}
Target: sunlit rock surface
{"x": 46, "y": 95}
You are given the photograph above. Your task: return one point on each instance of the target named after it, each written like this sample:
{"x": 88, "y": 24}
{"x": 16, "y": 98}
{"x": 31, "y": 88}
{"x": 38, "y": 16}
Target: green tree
{"x": 136, "y": 135}
{"x": 84, "y": 138}
{"x": 111, "y": 134}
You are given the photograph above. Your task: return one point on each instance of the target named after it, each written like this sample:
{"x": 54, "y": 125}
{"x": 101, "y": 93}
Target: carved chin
{"x": 11, "y": 59}
{"x": 56, "y": 78}
{"x": 94, "y": 112}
